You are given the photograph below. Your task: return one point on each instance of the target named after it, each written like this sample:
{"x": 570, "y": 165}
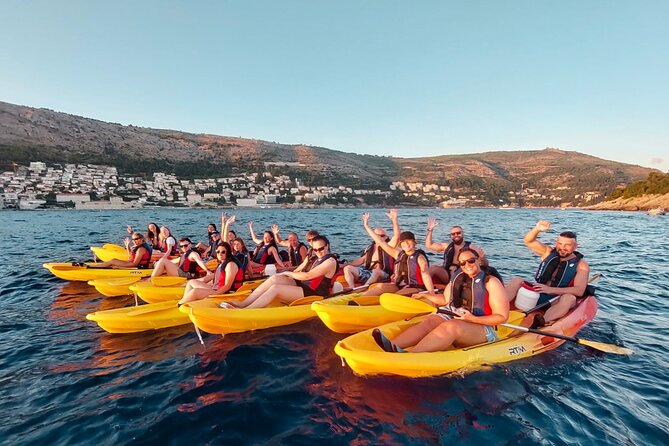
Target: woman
{"x": 411, "y": 270}
{"x": 290, "y": 286}
{"x": 205, "y": 247}
{"x": 227, "y": 277}
{"x": 266, "y": 251}
{"x": 167, "y": 243}
{"x": 151, "y": 235}
{"x": 480, "y": 302}
{"x": 190, "y": 264}
{"x": 139, "y": 255}
{"x": 242, "y": 256}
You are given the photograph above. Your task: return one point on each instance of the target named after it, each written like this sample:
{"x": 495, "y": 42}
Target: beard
{"x": 457, "y": 240}
{"x": 563, "y": 254}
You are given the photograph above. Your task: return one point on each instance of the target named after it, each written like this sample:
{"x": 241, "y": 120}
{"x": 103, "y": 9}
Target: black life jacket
{"x": 407, "y": 270}
{"x": 261, "y": 255}
{"x": 321, "y": 285}
{"x": 555, "y": 272}
{"x": 470, "y": 293}
{"x": 294, "y": 254}
{"x": 145, "y": 262}
{"x": 449, "y": 255}
{"x": 242, "y": 259}
{"x": 385, "y": 260}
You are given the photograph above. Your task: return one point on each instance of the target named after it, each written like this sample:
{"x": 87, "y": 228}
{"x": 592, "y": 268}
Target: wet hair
{"x": 568, "y": 234}
{"x": 185, "y": 239}
{"x": 228, "y": 250}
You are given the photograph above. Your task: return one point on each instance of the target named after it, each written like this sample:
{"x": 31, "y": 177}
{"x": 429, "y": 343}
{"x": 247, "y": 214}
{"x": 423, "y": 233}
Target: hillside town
{"x": 89, "y": 186}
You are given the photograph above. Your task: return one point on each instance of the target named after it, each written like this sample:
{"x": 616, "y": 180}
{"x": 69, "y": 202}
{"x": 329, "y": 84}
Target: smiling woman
{"x": 479, "y": 301}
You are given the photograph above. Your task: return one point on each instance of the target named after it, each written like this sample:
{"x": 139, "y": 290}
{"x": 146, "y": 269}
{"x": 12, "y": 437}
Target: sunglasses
{"x": 221, "y": 252}
{"x": 456, "y": 233}
{"x": 470, "y": 260}
{"x": 184, "y": 246}
{"x": 136, "y": 238}
{"x": 310, "y": 240}
{"x": 322, "y": 248}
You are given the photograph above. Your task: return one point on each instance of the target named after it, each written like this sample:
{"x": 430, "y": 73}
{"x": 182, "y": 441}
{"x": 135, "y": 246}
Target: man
{"x": 297, "y": 251}
{"x": 374, "y": 265}
{"x": 562, "y": 274}
{"x": 442, "y": 273}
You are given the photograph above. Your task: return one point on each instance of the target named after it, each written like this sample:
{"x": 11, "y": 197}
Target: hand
{"x": 129, "y": 229}
{"x": 365, "y": 219}
{"x": 463, "y": 314}
{"x": 231, "y": 220}
{"x": 542, "y": 226}
{"x": 224, "y": 216}
{"x": 275, "y": 228}
{"x": 392, "y": 214}
{"x": 417, "y": 296}
{"x": 541, "y": 288}
{"x": 126, "y": 241}
{"x": 431, "y": 223}
{"x": 250, "y": 226}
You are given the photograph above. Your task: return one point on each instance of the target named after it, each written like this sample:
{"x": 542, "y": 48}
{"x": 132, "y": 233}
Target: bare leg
{"x": 196, "y": 292}
{"x": 439, "y": 274}
{"x": 112, "y": 263}
{"x": 513, "y": 287}
{"x": 453, "y": 332}
{"x": 377, "y": 276}
{"x": 287, "y": 294}
{"x": 560, "y": 307}
{"x": 380, "y": 288}
{"x": 273, "y": 281}
{"x": 351, "y": 275}
{"x": 413, "y": 335}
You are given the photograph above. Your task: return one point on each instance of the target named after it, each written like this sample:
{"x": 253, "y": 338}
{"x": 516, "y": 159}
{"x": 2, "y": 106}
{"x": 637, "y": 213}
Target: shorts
{"x": 308, "y": 291}
{"x": 490, "y": 333}
{"x": 364, "y": 274}
{"x": 185, "y": 274}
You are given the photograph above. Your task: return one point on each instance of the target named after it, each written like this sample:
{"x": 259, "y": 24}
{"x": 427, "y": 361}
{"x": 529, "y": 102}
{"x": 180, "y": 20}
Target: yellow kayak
{"x": 366, "y": 313}
{"x": 208, "y": 316}
{"x": 148, "y": 317}
{"x": 365, "y": 357}
{"x": 152, "y": 292}
{"x": 67, "y": 271}
{"x": 109, "y": 252}
{"x": 122, "y": 286}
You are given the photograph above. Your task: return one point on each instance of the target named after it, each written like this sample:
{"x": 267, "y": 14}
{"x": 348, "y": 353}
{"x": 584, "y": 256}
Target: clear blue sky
{"x": 380, "y": 77}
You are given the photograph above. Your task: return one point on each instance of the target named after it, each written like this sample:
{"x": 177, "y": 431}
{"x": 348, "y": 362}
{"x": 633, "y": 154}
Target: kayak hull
{"x": 209, "y": 317}
{"x": 67, "y": 271}
{"x": 151, "y": 293}
{"x": 114, "y": 287}
{"x": 353, "y": 318}
{"x": 365, "y": 357}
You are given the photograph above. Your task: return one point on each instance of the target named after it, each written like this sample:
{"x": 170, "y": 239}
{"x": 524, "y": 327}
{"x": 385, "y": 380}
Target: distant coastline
{"x": 643, "y": 203}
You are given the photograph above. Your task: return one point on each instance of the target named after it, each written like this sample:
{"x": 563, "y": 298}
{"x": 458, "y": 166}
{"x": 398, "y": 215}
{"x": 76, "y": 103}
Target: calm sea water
{"x": 65, "y": 381}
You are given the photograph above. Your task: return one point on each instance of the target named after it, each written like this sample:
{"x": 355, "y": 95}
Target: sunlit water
{"x": 65, "y": 381}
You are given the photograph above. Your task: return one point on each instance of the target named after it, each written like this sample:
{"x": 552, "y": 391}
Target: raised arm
{"x": 392, "y": 215}
{"x": 226, "y": 227}
{"x": 275, "y": 231}
{"x": 255, "y": 239}
{"x": 531, "y": 241}
{"x": 429, "y": 244}
{"x": 194, "y": 256}
{"x": 392, "y": 251}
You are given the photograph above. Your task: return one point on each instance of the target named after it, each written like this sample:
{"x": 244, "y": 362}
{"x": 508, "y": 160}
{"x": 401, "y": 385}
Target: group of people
{"x": 473, "y": 289}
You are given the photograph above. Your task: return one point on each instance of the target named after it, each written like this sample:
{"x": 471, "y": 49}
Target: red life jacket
{"x": 320, "y": 285}
{"x": 145, "y": 262}
{"x": 219, "y": 276}
{"x": 188, "y": 266}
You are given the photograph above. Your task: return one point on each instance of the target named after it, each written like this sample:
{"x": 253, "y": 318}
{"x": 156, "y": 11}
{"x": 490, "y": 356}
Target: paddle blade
{"x": 608, "y": 348}
{"x": 404, "y": 304}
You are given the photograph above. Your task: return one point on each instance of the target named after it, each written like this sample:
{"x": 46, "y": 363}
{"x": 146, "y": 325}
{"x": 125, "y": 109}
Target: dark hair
{"x": 470, "y": 250}
{"x": 185, "y": 239}
{"x": 149, "y": 233}
{"x": 312, "y": 233}
{"x": 407, "y": 235}
{"x": 233, "y": 232}
{"x": 568, "y": 234}
{"x": 244, "y": 248}
{"x": 321, "y": 238}
{"x": 228, "y": 249}
{"x": 214, "y": 225}
{"x": 271, "y": 234}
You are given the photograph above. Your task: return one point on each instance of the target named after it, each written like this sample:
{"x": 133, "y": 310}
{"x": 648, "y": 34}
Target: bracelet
{"x": 429, "y": 230}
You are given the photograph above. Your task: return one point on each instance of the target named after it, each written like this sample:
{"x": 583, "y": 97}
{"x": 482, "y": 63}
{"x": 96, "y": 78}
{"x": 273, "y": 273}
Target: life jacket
{"x": 556, "y": 273}
{"x": 261, "y": 255}
{"x": 449, "y": 255}
{"x": 219, "y": 276}
{"x": 321, "y": 285}
{"x": 174, "y": 251}
{"x": 294, "y": 254}
{"x": 385, "y": 260}
{"x": 242, "y": 259}
{"x": 407, "y": 269}
{"x": 188, "y": 266}
{"x": 312, "y": 258}
{"x": 145, "y": 262}
{"x": 470, "y": 293}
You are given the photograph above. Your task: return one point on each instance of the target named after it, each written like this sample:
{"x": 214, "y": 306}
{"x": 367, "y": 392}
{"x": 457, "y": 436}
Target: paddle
{"x": 403, "y": 304}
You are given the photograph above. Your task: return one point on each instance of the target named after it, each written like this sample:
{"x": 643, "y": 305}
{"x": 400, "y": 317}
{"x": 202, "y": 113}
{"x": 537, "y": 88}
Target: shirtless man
{"x": 562, "y": 274}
